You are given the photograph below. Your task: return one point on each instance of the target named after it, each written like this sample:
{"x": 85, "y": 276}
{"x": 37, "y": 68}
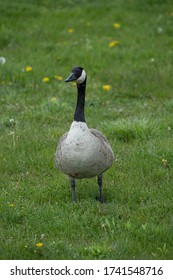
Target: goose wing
{"x": 63, "y": 137}
{"x": 58, "y": 153}
{"x": 99, "y": 135}
{"x": 105, "y": 144}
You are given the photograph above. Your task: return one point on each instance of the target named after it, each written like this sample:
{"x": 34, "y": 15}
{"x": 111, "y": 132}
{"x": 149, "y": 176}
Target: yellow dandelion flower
{"x": 113, "y": 43}
{"x": 59, "y": 78}
{"x": 106, "y": 87}
{"x": 70, "y": 30}
{"x": 11, "y": 205}
{"x": 164, "y": 161}
{"x": 73, "y": 84}
{"x": 46, "y": 80}
{"x": 28, "y": 69}
{"x": 40, "y": 244}
{"x": 53, "y": 99}
{"x": 117, "y": 25}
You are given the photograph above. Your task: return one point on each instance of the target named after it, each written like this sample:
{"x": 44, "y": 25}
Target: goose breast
{"x": 83, "y": 152}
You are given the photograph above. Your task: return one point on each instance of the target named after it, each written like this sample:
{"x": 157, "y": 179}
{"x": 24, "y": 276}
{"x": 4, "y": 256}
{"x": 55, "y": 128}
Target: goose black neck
{"x": 79, "y": 115}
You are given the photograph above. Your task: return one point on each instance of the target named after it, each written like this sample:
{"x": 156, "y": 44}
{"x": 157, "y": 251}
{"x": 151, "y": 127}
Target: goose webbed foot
{"x": 73, "y": 184}
{"x": 101, "y": 197}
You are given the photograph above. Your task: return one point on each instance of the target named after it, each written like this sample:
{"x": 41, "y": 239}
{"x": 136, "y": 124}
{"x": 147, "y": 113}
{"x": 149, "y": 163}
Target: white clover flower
{"x": 12, "y": 121}
{"x": 159, "y": 30}
{"x": 11, "y": 133}
{"x": 2, "y": 60}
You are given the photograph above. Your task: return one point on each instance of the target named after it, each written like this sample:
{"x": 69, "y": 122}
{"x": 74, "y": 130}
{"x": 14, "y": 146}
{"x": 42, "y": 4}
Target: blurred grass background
{"x": 38, "y": 219}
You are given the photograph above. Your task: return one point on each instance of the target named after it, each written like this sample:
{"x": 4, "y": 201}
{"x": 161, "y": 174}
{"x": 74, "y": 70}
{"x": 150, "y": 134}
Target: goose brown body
{"x": 83, "y": 152}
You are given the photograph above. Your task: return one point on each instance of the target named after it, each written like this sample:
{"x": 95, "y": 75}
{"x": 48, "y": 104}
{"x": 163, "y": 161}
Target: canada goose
{"x": 83, "y": 152}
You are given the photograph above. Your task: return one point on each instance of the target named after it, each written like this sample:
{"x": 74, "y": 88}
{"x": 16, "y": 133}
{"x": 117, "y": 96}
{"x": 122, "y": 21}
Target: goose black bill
{"x": 71, "y": 78}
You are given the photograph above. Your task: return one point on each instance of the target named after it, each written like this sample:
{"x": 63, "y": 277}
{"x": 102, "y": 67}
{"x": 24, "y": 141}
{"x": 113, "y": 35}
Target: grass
{"x": 136, "y": 222}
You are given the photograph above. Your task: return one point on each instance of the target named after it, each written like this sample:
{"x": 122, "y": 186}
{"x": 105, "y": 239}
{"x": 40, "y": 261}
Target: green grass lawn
{"x": 37, "y": 218}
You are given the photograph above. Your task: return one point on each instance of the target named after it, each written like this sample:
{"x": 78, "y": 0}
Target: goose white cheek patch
{"x": 82, "y": 78}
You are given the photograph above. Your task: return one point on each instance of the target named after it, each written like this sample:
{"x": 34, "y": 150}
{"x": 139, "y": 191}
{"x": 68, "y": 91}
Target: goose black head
{"x": 77, "y": 75}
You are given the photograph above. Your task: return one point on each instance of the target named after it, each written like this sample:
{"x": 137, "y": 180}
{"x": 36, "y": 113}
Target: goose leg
{"x": 99, "y": 180}
{"x": 73, "y": 184}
